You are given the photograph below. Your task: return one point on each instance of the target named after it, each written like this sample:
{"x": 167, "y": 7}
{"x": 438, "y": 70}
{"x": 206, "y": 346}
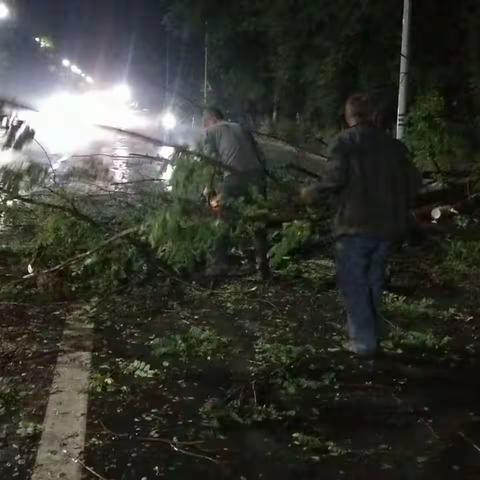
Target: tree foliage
{"x": 434, "y": 146}
{"x": 294, "y": 63}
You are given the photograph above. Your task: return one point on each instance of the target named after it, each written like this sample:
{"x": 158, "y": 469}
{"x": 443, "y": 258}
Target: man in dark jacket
{"x": 244, "y": 174}
{"x": 376, "y": 183}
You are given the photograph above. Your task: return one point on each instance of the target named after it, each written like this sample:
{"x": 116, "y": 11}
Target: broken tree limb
{"x": 443, "y": 211}
{"x": 445, "y": 194}
{"x": 177, "y": 148}
{"x": 307, "y": 159}
{"x": 83, "y": 256}
{"x": 53, "y": 206}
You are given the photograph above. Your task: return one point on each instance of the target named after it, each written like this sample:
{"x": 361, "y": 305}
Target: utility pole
{"x": 167, "y": 63}
{"x": 404, "y": 70}
{"x": 205, "y": 80}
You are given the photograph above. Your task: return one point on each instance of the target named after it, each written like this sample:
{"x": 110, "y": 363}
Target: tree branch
{"x": 70, "y": 210}
{"x": 82, "y": 256}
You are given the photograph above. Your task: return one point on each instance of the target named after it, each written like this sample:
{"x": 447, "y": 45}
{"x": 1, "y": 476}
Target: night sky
{"x": 117, "y": 40}
{"x": 94, "y": 32}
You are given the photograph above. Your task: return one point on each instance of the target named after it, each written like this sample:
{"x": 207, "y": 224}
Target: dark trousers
{"x": 361, "y": 266}
{"x": 233, "y": 188}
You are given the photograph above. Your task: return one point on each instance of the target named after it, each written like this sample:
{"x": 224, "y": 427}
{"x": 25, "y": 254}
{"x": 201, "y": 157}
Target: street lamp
{"x": 169, "y": 121}
{"x": 4, "y": 11}
{"x": 75, "y": 70}
{"x": 122, "y": 92}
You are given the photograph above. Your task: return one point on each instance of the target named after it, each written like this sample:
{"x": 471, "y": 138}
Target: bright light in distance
{"x": 89, "y": 79}
{"x": 166, "y": 152}
{"x": 67, "y": 122}
{"x": 169, "y": 121}
{"x": 167, "y": 174}
{"x": 122, "y": 92}
{"x": 66, "y": 63}
{"x": 75, "y": 70}
{"x": 37, "y": 39}
{"x": 4, "y": 11}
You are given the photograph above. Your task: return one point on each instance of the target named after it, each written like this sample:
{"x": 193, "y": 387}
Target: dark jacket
{"x": 375, "y": 180}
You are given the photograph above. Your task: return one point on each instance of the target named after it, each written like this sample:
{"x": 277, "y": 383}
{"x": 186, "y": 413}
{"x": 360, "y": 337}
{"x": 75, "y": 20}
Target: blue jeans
{"x": 361, "y": 265}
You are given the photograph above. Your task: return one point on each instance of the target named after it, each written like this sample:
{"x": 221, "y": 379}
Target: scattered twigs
{"x": 49, "y": 160}
{"x": 469, "y": 441}
{"x": 191, "y": 454}
{"x": 270, "y": 303}
{"x": 430, "y": 429}
{"x": 83, "y": 465}
{"x": 174, "y": 444}
{"x": 164, "y": 440}
{"x": 146, "y": 439}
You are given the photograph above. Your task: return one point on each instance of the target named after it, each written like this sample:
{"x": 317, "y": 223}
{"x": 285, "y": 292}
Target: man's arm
{"x": 336, "y": 171}
{"x": 413, "y": 176}
{"x": 258, "y": 152}
{"x": 334, "y": 175}
{"x": 210, "y": 144}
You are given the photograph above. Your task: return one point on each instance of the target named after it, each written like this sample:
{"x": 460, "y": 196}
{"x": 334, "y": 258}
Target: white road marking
{"x": 65, "y": 422}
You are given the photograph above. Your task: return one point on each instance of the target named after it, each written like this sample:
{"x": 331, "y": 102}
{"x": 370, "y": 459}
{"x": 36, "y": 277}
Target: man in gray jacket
{"x": 375, "y": 184}
{"x": 244, "y": 176}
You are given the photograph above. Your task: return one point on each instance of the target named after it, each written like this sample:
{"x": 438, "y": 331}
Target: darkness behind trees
{"x": 286, "y": 65}
{"x": 286, "y": 59}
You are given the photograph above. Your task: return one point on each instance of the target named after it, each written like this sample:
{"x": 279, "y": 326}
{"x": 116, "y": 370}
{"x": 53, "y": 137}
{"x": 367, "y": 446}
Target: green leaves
{"x": 181, "y": 231}
{"x": 422, "y": 341}
{"x": 293, "y": 236}
{"x": 429, "y": 135}
{"x": 461, "y": 262}
{"x": 197, "y": 342}
{"x": 140, "y": 369}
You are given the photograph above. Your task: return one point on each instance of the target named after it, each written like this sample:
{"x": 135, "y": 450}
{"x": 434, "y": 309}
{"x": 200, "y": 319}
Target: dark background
{"x": 276, "y": 61}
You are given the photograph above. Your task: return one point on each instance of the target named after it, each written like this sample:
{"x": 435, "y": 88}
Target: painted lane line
{"x": 65, "y": 421}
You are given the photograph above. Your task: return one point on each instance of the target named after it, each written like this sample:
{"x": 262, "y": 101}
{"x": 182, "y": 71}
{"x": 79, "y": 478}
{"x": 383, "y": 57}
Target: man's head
{"x": 359, "y": 109}
{"x": 211, "y": 116}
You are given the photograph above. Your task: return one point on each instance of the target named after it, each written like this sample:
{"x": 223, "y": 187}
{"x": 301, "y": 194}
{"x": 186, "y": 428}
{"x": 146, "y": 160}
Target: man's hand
{"x": 309, "y": 195}
{"x": 216, "y": 202}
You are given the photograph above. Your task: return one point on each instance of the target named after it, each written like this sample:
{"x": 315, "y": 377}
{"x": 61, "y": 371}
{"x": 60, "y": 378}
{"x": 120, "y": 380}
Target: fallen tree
{"x": 107, "y": 232}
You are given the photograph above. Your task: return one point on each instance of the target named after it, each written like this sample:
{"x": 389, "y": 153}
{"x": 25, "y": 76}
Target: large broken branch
{"x": 72, "y": 211}
{"x": 436, "y": 211}
{"x": 82, "y": 256}
{"x": 282, "y": 186}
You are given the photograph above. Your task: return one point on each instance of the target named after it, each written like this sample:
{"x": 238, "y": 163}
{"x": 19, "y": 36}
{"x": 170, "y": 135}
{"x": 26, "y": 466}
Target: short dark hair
{"x": 360, "y": 107}
{"x": 214, "y": 112}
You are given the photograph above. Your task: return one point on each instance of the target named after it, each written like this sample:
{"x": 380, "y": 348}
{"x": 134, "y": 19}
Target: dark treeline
{"x": 291, "y": 60}
{"x": 286, "y": 65}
